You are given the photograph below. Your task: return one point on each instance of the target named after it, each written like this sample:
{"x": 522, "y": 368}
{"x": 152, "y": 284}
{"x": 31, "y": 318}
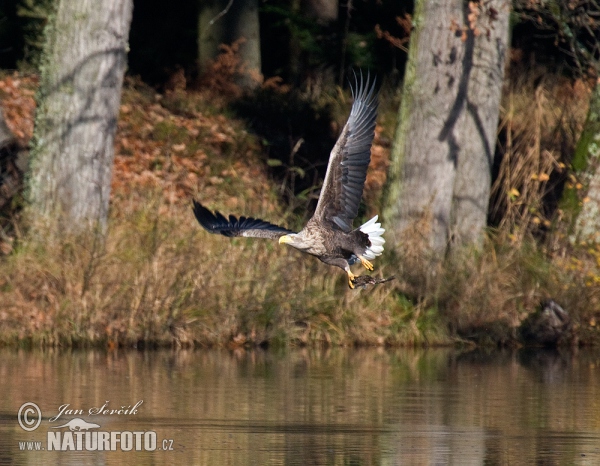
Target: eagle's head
{"x": 296, "y": 240}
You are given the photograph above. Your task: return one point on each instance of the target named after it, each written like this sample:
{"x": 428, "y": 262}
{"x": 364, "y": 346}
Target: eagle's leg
{"x": 342, "y": 264}
{"x": 365, "y": 263}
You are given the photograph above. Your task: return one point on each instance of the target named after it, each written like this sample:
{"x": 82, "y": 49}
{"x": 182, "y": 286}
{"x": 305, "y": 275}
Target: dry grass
{"x": 159, "y": 279}
{"x": 539, "y": 128}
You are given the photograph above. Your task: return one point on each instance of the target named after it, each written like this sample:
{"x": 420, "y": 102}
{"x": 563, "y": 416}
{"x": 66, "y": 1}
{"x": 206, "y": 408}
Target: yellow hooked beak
{"x": 285, "y": 239}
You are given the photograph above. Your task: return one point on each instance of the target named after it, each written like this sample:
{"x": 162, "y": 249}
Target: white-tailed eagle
{"x": 328, "y": 235}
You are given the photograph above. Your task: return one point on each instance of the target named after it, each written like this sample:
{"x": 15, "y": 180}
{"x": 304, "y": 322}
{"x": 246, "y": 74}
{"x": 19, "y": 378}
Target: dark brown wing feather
{"x": 349, "y": 160}
{"x": 232, "y": 226}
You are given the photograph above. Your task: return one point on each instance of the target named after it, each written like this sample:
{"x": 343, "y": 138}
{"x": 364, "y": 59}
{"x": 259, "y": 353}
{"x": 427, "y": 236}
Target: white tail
{"x": 375, "y": 233}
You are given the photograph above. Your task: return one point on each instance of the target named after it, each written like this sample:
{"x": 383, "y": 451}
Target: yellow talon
{"x": 366, "y": 263}
{"x": 351, "y": 278}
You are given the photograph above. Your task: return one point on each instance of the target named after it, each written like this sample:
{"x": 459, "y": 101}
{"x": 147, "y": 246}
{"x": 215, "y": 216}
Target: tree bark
{"x": 443, "y": 148}
{"x": 225, "y": 22}
{"x": 324, "y": 11}
{"x": 6, "y": 136}
{"x": 586, "y": 166}
{"x": 478, "y": 123}
{"x": 82, "y": 73}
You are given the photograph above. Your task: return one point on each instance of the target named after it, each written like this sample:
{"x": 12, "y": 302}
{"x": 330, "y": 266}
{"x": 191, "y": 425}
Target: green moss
{"x": 585, "y": 158}
{"x": 392, "y": 190}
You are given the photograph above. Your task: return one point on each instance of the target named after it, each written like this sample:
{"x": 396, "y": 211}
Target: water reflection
{"x": 316, "y": 407}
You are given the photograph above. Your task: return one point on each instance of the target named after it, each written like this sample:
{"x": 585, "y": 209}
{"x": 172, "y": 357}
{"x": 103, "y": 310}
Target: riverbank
{"x": 158, "y": 279}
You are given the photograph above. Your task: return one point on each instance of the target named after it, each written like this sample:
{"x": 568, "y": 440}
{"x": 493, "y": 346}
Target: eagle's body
{"x": 328, "y": 235}
{"x": 328, "y": 244}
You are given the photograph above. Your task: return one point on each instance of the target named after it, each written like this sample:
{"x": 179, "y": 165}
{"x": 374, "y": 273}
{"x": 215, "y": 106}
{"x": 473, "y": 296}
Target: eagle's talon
{"x": 351, "y": 278}
{"x": 367, "y": 265}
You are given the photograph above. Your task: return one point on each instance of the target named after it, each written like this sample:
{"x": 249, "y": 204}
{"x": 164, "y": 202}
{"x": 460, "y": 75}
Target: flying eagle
{"x": 328, "y": 235}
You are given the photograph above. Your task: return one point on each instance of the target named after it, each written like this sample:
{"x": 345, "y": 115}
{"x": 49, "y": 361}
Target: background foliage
{"x": 158, "y": 278}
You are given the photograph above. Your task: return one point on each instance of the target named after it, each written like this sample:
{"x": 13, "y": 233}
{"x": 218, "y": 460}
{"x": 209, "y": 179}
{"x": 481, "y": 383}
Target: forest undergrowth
{"x": 157, "y": 279}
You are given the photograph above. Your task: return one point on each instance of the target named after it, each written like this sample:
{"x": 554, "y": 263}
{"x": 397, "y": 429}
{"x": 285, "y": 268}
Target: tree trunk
{"x": 6, "y": 136}
{"x": 440, "y": 171}
{"x": 225, "y": 22}
{"x": 586, "y": 165}
{"x": 478, "y": 123}
{"x": 78, "y": 103}
{"x": 324, "y": 11}
{"x": 313, "y": 47}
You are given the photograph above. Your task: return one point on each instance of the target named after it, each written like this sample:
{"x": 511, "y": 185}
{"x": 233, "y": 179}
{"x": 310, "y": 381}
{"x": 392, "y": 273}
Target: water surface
{"x": 303, "y": 407}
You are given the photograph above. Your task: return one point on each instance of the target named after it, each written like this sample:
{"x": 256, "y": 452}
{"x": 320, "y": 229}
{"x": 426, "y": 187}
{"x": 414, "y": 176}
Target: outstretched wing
{"x": 232, "y": 226}
{"x": 349, "y": 160}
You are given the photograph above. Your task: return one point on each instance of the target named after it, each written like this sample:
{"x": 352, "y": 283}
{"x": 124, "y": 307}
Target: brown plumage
{"x": 328, "y": 235}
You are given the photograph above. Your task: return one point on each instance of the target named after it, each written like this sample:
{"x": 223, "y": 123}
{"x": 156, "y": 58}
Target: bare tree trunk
{"x": 225, "y": 22}
{"x": 78, "y": 103}
{"x": 325, "y": 14}
{"x": 304, "y": 64}
{"x": 6, "y": 136}
{"x": 425, "y": 151}
{"x": 442, "y": 154}
{"x": 323, "y": 11}
{"x": 586, "y": 164}
{"x": 478, "y": 121}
